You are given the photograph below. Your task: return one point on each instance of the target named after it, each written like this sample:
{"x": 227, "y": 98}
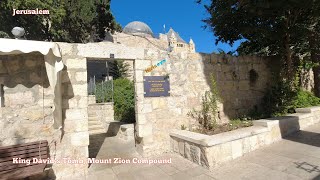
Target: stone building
{"x": 170, "y": 41}
{"x": 33, "y": 80}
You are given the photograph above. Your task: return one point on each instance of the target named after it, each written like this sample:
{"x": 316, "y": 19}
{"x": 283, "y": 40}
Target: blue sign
{"x": 156, "y": 86}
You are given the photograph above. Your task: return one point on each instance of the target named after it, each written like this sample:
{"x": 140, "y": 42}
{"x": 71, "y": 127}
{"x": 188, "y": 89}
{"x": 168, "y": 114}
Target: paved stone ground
{"x": 296, "y": 157}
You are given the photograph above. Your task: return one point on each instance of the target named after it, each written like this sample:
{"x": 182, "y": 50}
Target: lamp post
{"x": 18, "y": 32}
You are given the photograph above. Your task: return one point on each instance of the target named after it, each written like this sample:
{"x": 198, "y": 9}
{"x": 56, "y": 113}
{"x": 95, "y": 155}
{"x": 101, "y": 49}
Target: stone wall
{"x": 75, "y": 105}
{"x": 27, "y": 112}
{"x": 189, "y": 76}
{"x": 241, "y": 81}
{"x": 27, "y": 115}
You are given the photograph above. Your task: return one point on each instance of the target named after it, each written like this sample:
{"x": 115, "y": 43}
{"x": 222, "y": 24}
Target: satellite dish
{"x": 18, "y": 32}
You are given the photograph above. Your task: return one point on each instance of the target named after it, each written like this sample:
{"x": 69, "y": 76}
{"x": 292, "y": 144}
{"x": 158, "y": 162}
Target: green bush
{"x": 279, "y": 100}
{"x": 123, "y": 97}
{"x": 124, "y": 100}
{"x": 282, "y": 99}
{"x": 306, "y": 99}
{"x": 104, "y": 92}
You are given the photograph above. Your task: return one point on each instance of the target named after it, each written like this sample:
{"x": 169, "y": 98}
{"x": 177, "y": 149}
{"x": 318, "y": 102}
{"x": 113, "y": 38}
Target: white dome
{"x": 138, "y": 28}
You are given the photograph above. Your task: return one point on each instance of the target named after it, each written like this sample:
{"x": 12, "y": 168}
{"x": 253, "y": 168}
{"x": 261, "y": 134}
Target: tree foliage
{"x": 288, "y": 29}
{"x": 69, "y": 20}
{"x": 3, "y": 35}
{"x": 119, "y": 69}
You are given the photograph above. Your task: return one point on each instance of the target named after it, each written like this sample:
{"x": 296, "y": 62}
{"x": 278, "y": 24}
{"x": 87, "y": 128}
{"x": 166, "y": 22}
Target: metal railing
{"x": 102, "y": 89}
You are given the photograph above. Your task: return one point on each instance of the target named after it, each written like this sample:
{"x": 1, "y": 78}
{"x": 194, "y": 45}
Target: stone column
{"x": 144, "y": 137}
{"x": 75, "y": 139}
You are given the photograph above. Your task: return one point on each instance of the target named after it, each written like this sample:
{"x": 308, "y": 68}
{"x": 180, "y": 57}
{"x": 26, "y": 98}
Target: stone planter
{"x": 209, "y": 151}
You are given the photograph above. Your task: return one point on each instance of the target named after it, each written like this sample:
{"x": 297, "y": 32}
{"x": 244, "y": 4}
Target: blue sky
{"x": 184, "y": 16}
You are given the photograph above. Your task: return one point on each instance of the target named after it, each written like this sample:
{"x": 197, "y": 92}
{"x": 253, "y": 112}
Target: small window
{"x": 179, "y": 45}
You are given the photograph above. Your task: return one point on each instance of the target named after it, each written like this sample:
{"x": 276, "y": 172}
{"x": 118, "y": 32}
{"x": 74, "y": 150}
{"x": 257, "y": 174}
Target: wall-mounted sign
{"x": 156, "y": 86}
{"x": 154, "y": 66}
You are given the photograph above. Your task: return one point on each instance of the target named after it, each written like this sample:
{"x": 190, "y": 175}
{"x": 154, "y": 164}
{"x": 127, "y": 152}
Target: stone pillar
{"x": 75, "y": 140}
{"x": 144, "y": 137}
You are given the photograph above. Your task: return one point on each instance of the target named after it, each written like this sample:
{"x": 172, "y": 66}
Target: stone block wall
{"x": 27, "y": 112}
{"x": 27, "y": 115}
{"x": 102, "y": 111}
{"x": 189, "y": 76}
{"x": 75, "y": 139}
{"x": 241, "y": 81}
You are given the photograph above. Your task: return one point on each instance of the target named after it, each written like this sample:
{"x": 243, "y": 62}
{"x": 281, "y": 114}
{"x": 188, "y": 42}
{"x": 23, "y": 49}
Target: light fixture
{"x": 18, "y": 32}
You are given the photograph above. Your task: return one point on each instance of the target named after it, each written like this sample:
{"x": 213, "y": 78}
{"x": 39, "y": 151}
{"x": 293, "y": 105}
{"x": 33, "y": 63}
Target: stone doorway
{"x": 105, "y": 125}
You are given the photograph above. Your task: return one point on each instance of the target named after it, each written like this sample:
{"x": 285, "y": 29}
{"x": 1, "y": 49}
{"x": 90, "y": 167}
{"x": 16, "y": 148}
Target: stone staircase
{"x": 95, "y": 126}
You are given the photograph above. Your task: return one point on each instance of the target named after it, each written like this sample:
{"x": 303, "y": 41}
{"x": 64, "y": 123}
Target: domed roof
{"x": 138, "y": 28}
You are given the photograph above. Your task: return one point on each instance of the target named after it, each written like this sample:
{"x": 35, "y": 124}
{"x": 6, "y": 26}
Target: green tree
{"x": 36, "y": 26}
{"x": 269, "y": 27}
{"x": 76, "y": 24}
{"x": 3, "y": 35}
{"x": 311, "y": 22}
{"x": 119, "y": 69}
{"x": 69, "y": 20}
{"x": 104, "y": 20}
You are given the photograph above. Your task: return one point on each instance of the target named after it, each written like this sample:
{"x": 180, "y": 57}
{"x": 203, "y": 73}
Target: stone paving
{"x": 296, "y": 157}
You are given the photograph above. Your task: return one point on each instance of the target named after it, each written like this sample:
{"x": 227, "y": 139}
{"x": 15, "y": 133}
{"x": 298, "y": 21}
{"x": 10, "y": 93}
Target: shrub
{"x": 104, "y": 92}
{"x": 208, "y": 114}
{"x": 123, "y": 97}
{"x": 279, "y": 100}
{"x": 282, "y": 99}
{"x": 124, "y": 100}
{"x": 306, "y": 99}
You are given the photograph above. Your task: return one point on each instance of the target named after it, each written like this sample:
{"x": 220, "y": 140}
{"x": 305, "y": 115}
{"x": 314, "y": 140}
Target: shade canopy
{"x": 53, "y": 63}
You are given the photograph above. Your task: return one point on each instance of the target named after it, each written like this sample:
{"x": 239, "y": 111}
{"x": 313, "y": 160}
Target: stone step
{"x": 93, "y": 127}
{"x": 94, "y": 123}
{"x": 91, "y": 114}
{"x": 94, "y": 118}
{"x": 96, "y": 131}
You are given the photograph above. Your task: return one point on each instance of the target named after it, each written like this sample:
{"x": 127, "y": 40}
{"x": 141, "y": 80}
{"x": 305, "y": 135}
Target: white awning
{"x": 53, "y": 62}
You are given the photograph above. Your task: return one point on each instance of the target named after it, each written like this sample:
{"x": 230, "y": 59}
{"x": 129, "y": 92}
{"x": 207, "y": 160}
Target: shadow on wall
{"x": 67, "y": 94}
{"x": 24, "y": 76}
{"x": 287, "y": 124}
{"x": 241, "y": 81}
{"x": 27, "y": 76}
